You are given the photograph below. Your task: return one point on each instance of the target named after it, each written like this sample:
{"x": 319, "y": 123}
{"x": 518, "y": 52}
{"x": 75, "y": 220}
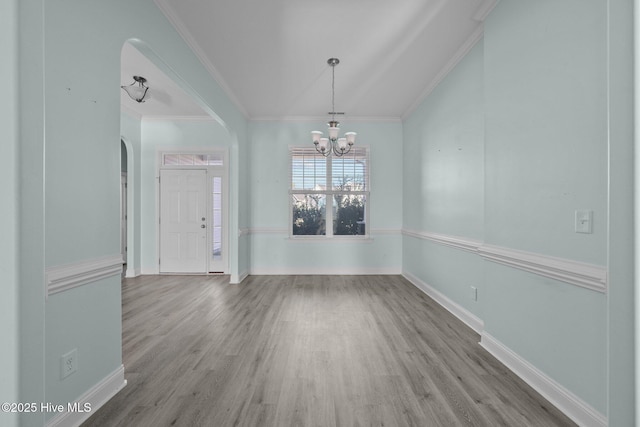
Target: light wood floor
{"x": 307, "y": 351}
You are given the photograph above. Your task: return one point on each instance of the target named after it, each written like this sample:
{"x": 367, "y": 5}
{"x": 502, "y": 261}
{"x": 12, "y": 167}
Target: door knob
{"x": 203, "y": 226}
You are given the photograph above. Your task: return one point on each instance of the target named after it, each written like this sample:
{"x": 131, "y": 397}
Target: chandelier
{"x": 137, "y": 90}
{"x": 339, "y": 146}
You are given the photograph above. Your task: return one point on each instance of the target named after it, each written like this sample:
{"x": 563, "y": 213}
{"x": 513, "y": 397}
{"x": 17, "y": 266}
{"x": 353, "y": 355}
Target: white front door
{"x": 183, "y": 221}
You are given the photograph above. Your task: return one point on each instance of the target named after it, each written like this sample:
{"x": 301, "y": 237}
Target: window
{"x": 192, "y": 159}
{"x": 329, "y": 190}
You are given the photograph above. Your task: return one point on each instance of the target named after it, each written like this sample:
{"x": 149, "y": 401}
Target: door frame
{"x": 211, "y": 170}
{"x": 124, "y": 216}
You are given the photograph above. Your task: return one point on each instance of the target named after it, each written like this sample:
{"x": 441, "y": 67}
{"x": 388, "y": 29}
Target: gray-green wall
{"x": 273, "y": 252}
{"x": 545, "y": 157}
{"x": 444, "y": 184}
{"x": 69, "y": 112}
{"x": 9, "y": 213}
{"x": 516, "y": 138}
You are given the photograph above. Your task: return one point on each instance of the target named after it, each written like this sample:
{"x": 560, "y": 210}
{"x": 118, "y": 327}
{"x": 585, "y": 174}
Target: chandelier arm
{"x": 324, "y": 153}
{"x": 338, "y": 152}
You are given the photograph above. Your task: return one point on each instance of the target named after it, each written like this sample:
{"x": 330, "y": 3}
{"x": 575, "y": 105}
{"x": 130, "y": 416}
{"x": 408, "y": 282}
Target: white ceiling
{"x": 271, "y": 56}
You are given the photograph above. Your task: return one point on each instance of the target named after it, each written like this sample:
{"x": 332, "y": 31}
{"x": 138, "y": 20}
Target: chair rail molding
{"x": 581, "y": 274}
{"x": 589, "y": 276}
{"x": 469, "y": 245}
{"x": 61, "y": 278}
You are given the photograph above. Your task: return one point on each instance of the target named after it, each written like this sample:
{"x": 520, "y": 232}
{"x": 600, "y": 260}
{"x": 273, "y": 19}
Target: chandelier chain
{"x": 333, "y": 91}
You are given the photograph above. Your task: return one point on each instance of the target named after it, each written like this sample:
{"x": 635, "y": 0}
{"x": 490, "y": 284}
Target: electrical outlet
{"x": 474, "y": 293}
{"x": 68, "y": 363}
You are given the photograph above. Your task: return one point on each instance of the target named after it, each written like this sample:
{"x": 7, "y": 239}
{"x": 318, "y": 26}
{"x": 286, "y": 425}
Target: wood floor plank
{"x": 323, "y": 351}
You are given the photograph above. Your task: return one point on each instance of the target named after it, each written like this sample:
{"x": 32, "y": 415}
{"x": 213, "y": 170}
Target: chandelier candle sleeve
{"x": 333, "y": 144}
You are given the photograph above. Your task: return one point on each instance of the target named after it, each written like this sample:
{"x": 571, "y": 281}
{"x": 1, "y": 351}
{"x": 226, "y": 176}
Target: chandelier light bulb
{"x": 316, "y": 135}
{"x": 333, "y": 132}
{"x": 323, "y": 145}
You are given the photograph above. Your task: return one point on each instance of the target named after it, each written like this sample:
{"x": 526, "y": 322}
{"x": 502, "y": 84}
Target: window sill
{"x": 331, "y": 239}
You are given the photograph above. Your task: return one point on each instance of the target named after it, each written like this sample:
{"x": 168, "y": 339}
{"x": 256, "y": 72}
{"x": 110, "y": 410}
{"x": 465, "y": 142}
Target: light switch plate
{"x": 584, "y": 221}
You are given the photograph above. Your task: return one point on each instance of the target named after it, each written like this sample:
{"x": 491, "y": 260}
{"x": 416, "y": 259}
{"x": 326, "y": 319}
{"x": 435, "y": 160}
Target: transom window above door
{"x": 193, "y": 159}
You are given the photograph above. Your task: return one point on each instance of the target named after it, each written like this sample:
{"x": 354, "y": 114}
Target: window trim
{"x": 329, "y": 236}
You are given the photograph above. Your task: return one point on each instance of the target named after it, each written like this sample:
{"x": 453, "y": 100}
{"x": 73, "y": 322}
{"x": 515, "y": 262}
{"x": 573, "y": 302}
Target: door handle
{"x": 203, "y": 226}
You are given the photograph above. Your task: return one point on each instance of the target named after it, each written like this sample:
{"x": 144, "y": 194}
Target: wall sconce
{"x": 137, "y": 90}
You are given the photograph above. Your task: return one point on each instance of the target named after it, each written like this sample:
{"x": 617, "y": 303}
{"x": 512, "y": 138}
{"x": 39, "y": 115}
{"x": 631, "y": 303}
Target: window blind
{"x": 312, "y": 172}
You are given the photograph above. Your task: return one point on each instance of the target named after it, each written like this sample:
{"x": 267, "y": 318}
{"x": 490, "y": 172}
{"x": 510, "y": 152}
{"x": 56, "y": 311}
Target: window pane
{"x": 349, "y": 173}
{"x": 193, "y": 159}
{"x": 215, "y": 159}
{"x": 186, "y": 159}
{"x": 216, "y": 237}
{"x": 308, "y": 172}
{"x": 349, "y": 215}
{"x": 217, "y": 243}
{"x": 171, "y": 159}
{"x": 309, "y": 214}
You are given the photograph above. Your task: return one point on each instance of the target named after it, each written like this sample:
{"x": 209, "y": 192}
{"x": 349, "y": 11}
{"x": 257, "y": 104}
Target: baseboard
{"x": 325, "y": 271}
{"x": 470, "y": 319}
{"x": 236, "y": 279}
{"x": 133, "y": 272}
{"x": 96, "y": 397}
{"x": 570, "y": 404}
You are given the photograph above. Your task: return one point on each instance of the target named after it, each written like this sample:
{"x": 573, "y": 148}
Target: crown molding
{"x": 485, "y": 8}
{"x": 301, "y": 119}
{"x": 178, "y": 119}
{"x": 184, "y": 33}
